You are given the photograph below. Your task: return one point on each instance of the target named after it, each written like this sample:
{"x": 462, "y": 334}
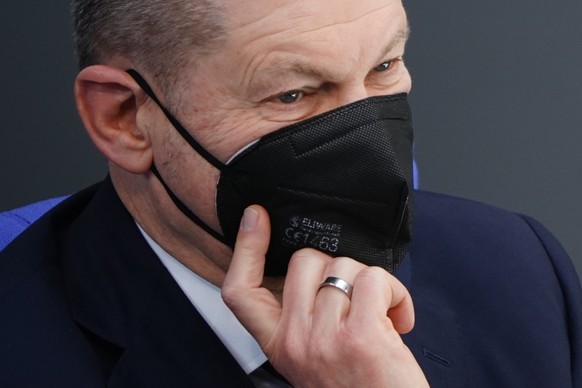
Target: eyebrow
{"x": 286, "y": 66}
{"x": 401, "y": 37}
{"x": 282, "y": 68}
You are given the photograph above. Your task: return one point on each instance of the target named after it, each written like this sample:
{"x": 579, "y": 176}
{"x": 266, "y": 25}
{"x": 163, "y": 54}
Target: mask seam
{"x": 345, "y": 134}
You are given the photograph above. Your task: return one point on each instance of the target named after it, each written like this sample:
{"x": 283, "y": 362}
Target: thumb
{"x": 254, "y": 306}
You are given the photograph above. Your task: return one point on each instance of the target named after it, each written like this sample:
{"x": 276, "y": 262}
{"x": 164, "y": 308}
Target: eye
{"x": 383, "y": 66}
{"x": 290, "y": 97}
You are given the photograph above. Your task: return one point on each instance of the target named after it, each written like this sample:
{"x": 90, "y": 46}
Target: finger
{"x": 332, "y": 304}
{"x": 304, "y": 275}
{"x": 378, "y": 294}
{"x": 255, "y": 307}
{"x": 252, "y": 242}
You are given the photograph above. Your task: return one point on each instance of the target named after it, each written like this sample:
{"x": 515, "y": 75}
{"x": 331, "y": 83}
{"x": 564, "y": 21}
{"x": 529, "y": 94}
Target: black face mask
{"x": 339, "y": 182}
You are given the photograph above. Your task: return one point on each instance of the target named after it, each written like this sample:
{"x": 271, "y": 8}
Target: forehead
{"x": 337, "y": 38}
{"x": 301, "y": 22}
{"x": 296, "y": 12}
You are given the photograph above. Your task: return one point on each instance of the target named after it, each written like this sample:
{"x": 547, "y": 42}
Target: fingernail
{"x": 249, "y": 220}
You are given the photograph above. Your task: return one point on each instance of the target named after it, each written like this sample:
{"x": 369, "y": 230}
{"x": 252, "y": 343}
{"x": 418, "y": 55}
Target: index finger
{"x": 254, "y": 306}
{"x": 248, "y": 259}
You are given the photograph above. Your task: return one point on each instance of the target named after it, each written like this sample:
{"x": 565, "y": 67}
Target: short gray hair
{"x": 160, "y": 36}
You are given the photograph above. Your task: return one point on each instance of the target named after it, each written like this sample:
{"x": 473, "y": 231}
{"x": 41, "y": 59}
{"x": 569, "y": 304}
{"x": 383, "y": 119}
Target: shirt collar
{"x": 205, "y": 297}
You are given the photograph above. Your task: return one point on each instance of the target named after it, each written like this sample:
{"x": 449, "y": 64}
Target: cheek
{"x": 406, "y": 81}
{"x": 221, "y": 120}
{"x": 191, "y": 177}
{"x": 225, "y": 133}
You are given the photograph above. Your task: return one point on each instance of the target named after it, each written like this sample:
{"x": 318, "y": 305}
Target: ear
{"x": 108, "y": 100}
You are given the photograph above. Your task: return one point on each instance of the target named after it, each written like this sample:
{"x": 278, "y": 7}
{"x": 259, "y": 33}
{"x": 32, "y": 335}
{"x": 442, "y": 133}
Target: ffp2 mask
{"x": 339, "y": 182}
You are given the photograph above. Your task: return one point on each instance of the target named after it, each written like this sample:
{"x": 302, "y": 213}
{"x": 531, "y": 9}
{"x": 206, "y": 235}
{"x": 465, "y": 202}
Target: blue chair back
{"x": 13, "y": 222}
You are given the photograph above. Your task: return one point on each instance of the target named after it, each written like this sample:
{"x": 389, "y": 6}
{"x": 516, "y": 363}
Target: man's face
{"x": 282, "y": 62}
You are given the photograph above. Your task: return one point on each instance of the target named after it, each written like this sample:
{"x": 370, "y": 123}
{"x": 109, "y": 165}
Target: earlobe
{"x": 108, "y": 100}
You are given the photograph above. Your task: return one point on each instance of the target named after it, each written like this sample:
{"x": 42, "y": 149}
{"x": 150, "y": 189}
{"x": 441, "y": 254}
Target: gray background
{"x": 497, "y": 102}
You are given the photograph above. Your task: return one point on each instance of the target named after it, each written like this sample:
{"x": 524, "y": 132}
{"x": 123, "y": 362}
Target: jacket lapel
{"x": 172, "y": 346}
{"x": 144, "y": 329}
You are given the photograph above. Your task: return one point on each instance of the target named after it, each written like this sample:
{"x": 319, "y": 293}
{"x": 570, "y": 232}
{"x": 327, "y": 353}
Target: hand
{"x": 319, "y": 337}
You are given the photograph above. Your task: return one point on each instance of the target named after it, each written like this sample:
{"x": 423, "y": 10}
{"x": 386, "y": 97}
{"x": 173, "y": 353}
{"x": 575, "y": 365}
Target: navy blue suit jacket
{"x": 84, "y": 302}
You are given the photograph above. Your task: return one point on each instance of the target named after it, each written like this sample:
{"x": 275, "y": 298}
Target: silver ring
{"x": 338, "y": 283}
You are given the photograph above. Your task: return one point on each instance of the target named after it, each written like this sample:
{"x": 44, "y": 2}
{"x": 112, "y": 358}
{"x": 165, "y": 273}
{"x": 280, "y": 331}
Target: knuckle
{"x": 291, "y": 348}
{"x": 343, "y": 261}
{"x": 308, "y": 252}
{"x": 229, "y": 295}
{"x": 379, "y": 271}
{"x": 289, "y": 352}
{"x": 301, "y": 257}
{"x": 368, "y": 344}
{"x": 355, "y": 343}
{"x": 343, "y": 264}
{"x": 374, "y": 274}
{"x": 322, "y": 351}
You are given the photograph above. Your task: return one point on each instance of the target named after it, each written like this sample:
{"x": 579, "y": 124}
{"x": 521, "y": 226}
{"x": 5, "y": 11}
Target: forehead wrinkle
{"x": 262, "y": 20}
{"x": 344, "y": 22}
{"x": 261, "y": 68}
{"x": 268, "y": 14}
{"x": 283, "y": 66}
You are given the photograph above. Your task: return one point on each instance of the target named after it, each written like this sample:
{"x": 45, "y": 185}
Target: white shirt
{"x": 207, "y": 300}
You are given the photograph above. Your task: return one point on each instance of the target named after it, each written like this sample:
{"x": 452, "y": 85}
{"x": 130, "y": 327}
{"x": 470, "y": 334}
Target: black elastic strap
{"x": 179, "y": 127}
{"x": 186, "y": 211}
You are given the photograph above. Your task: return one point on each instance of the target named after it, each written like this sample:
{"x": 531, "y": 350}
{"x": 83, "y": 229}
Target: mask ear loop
{"x": 187, "y": 212}
{"x": 183, "y": 132}
{"x": 194, "y": 144}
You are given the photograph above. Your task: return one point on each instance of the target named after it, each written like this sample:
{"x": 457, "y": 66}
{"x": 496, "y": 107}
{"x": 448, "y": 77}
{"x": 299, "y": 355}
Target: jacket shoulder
{"x": 470, "y": 234}
{"x": 36, "y": 320}
{"x": 467, "y": 223}
{"x": 503, "y": 279}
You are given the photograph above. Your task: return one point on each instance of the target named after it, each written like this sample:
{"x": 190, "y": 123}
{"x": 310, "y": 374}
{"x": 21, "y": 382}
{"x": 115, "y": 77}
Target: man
{"x": 120, "y": 284}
